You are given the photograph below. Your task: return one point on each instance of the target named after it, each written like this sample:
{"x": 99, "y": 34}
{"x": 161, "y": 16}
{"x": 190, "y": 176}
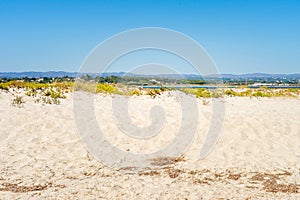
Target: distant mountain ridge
{"x": 52, "y": 74}
{"x": 34, "y": 74}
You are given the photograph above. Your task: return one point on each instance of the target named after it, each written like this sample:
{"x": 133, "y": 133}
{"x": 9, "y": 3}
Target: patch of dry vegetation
{"x": 48, "y": 93}
{"x": 263, "y": 92}
{"x": 162, "y": 161}
{"x": 269, "y": 182}
{"x": 32, "y": 89}
{"x": 242, "y": 92}
{"x": 18, "y": 101}
{"x": 16, "y": 188}
{"x": 22, "y": 189}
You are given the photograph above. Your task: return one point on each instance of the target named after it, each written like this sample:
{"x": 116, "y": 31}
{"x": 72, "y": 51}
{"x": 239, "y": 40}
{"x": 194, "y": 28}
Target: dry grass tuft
{"x": 161, "y": 161}
{"x": 173, "y": 173}
{"x": 273, "y": 186}
{"x": 89, "y": 174}
{"x": 218, "y": 176}
{"x": 270, "y": 182}
{"x": 234, "y": 176}
{"x": 18, "y": 101}
{"x": 22, "y": 189}
{"x": 127, "y": 168}
{"x": 149, "y": 173}
{"x": 201, "y": 181}
{"x": 205, "y": 101}
{"x": 266, "y": 181}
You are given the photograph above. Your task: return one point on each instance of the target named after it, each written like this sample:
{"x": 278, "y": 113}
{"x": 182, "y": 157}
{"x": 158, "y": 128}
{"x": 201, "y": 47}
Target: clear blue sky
{"x": 241, "y": 36}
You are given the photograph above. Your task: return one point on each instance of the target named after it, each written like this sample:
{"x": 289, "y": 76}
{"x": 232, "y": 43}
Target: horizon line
{"x": 227, "y": 73}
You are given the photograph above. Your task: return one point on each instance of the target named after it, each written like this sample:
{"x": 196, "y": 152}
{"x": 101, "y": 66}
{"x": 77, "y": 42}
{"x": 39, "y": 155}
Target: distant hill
{"x": 52, "y": 74}
{"x": 49, "y": 74}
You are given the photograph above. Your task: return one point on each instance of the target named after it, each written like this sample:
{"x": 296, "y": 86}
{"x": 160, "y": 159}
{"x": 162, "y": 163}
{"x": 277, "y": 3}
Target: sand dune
{"x": 257, "y": 156}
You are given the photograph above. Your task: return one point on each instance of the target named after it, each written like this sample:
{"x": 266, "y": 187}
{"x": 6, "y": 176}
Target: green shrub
{"x": 4, "y": 86}
{"x": 107, "y": 89}
{"x": 153, "y": 92}
{"x": 31, "y": 93}
{"x": 231, "y": 93}
{"x": 247, "y": 93}
{"x": 134, "y": 92}
{"x": 35, "y": 85}
{"x": 261, "y": 94}
{"x": 294, "y": 90}
{"x": 54, "y": 93}
{"x": 189, "y": 91}
{"x": 201, "y": 92}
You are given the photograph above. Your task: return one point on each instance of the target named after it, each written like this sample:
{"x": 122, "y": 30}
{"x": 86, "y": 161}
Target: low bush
{"x": 31, "y": 92}
{"x": 153, "y": 92}
{"x": 246, "y": 93}
{"x": 199, "y": 92}
{"x": 261, "y": 94}
{"x": 134, "y": 92}
{"x": 107, "y": 89}
{"x": 4, "y": 86}
{"x": 54, "y": 93}
{"x": 231, "y": 93}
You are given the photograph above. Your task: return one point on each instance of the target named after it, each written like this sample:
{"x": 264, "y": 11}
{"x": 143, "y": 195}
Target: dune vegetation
{"x": 263, "y": 92}
{"x": 243, "y": 92}
{"x": 47, "y": 93}
{"x": 52, "y": 93}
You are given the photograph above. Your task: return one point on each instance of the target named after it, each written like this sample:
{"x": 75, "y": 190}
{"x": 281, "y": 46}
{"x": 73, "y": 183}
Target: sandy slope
{"x": 257, "y": 157}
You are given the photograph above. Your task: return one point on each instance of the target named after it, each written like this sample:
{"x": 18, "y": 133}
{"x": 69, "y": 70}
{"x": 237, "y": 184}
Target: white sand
{"x": 257, "y": 157}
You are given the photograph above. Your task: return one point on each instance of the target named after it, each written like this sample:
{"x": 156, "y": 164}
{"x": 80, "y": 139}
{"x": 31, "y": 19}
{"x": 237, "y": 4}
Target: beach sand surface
{"x": 257, "y": 155}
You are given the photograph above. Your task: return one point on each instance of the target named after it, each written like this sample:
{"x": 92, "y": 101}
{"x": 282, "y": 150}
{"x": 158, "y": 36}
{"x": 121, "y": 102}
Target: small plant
{"x": 188, "y": 91}
{"x": 50, "y": 100}
{"x": 200, "y": 92}
{"x": 161, "y": 161}
{"x": 231, "y": 93}
{"x": 205, "y": 101}
{"x": 135, "y": 92}
{"x": 246, "y": 93}
{"x": 54, "y": 93}
{"x": 153, "y": 92}
{"x": 55, "y": 101}
{"x": 4, "y": 86}
{"x": 18, "y": 101}
{"x": 261, "y": 94}
{"x": 31, "y": 93}
{"x": 46, "y": 100}
{"x": 203, "y": 93}
{"x": 37, "y": 100}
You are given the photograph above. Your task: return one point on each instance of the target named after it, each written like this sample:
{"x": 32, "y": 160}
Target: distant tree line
{"x": 154, "y": 80}
{"x": 40, "y": 80}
